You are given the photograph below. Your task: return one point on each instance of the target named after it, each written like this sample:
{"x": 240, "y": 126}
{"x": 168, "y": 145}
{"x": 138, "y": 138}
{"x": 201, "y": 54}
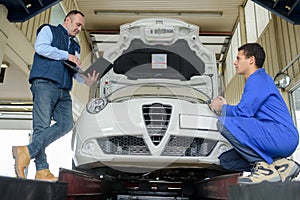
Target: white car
{"x": 152, "y": 113}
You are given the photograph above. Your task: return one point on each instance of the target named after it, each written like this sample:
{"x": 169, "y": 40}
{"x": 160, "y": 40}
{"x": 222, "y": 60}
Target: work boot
{"x": 22, "y": 159}
{"x": 45, "y": 175}
{"x": 261, "y": 172}
{"x": 287, "y": 169}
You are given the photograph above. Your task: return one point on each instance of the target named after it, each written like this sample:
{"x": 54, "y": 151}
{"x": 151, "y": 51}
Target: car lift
{"x": 76, "y": 185}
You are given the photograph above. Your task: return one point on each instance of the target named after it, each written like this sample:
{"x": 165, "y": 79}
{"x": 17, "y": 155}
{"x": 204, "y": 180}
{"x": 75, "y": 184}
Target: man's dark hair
{"x": 74, "y": 12}
{"x": 254, "y": 49}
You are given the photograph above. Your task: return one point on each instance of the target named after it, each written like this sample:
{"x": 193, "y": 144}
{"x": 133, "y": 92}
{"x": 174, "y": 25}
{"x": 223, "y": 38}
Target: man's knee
{"x": 68, "y": 126}
{"x": 223, "y": 130}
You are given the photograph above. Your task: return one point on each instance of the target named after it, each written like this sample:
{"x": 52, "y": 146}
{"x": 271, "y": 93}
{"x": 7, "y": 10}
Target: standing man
{"x": 51, "y": 82}
{"x": 259, "y": 127}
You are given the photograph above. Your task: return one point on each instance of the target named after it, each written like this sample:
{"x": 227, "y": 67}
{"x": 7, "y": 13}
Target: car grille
{"x": 124, "y": 145}
{"x": 176, "y": 146}
{"x": 157, "y": 117}
{"x": 188, "y": 146}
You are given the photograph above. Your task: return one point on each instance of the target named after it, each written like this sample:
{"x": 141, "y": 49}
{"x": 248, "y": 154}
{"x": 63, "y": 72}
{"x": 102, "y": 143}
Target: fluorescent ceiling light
{"x": 160, "y": 13}
{"x": 16, "y": 115}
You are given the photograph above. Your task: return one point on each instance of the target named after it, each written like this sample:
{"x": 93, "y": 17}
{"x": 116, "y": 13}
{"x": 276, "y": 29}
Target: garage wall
{"x": 281, "y": 41}
{"x": 30, "y": 26}
{"x": 17, "y": 52}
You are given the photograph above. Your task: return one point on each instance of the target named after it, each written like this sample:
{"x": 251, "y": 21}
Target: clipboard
{"x": 101, "y": 66}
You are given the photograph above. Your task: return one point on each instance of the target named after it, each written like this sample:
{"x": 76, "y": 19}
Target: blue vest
{"x": 55, "y": 70}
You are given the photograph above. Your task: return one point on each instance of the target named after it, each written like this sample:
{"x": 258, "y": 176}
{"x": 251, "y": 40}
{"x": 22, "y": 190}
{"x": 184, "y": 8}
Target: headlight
{"x": 96, "y": 105}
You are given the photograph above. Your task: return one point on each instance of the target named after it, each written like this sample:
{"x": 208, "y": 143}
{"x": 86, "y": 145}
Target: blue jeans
{"x": 49, "y": 103}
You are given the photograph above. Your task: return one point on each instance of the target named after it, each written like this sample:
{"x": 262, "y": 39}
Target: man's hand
{"x": 90, "y": 79}
{"x": 217, "y": 103}
{"x": 74, "y": 59}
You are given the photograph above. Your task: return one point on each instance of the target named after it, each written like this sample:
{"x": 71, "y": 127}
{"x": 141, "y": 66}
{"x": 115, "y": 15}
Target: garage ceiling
{"x": 22, "y": 10}
{"x": 216, "y": 18}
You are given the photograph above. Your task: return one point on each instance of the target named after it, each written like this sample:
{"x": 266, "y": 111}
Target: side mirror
{"x": 282, "y": 80}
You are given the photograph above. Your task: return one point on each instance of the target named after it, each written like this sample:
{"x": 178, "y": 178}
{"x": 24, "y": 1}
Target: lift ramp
{"x": 84, "y": 185}
{"x": 12, "y": 188}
